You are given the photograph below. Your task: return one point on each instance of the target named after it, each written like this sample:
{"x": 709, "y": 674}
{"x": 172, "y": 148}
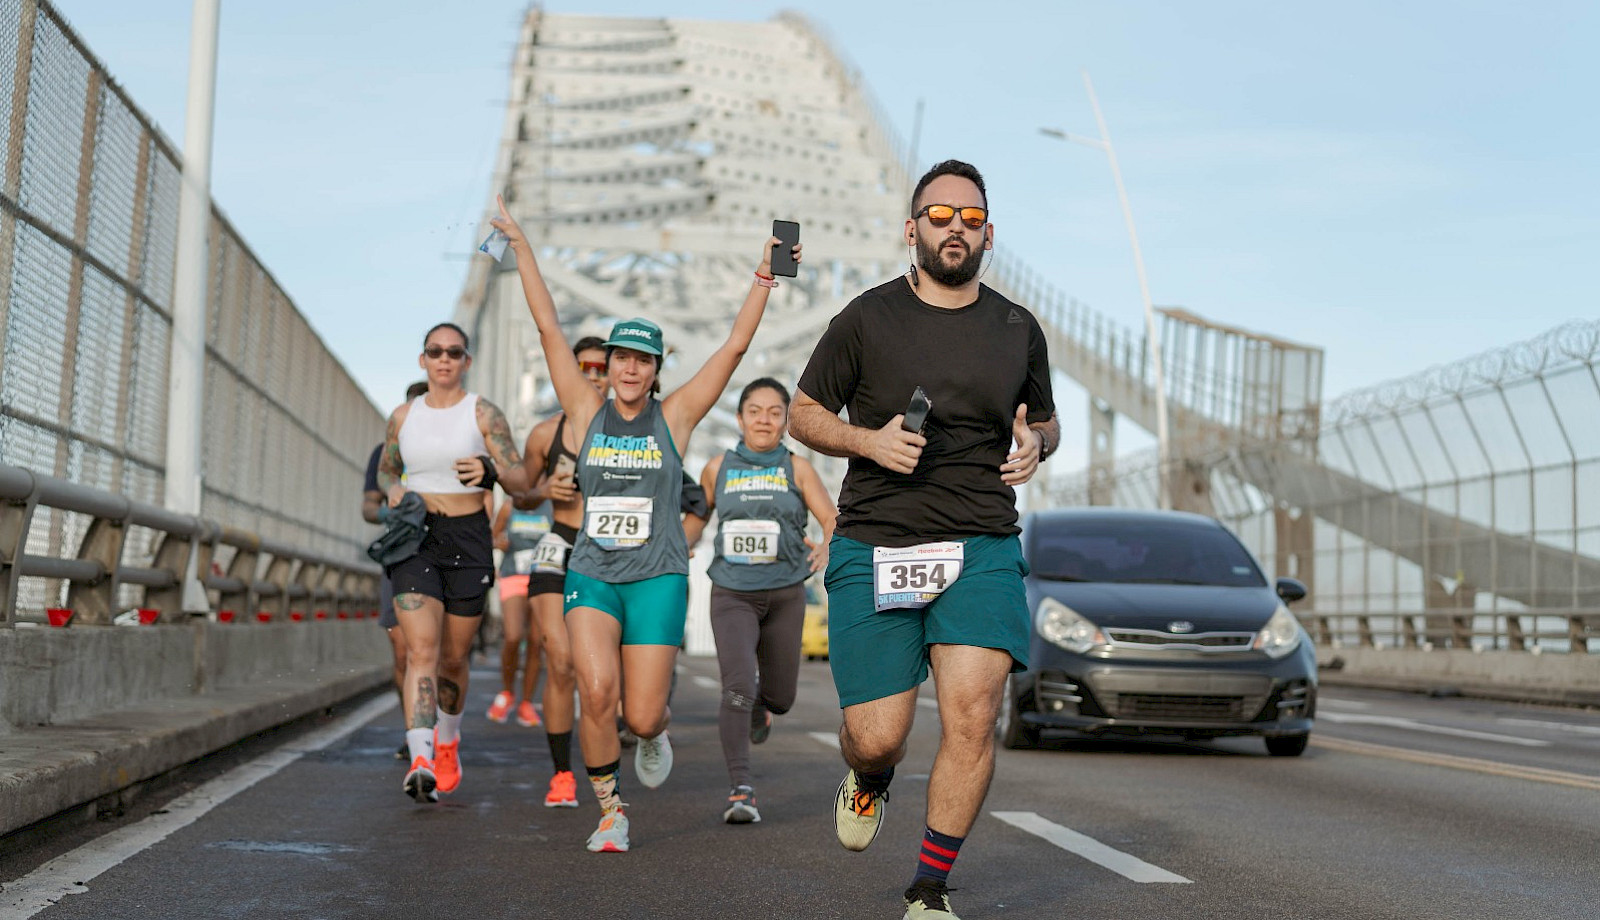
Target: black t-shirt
{"x": 372, "y": 470}
{"x": 977, "y": 364}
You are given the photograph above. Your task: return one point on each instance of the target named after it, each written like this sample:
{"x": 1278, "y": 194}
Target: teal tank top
{"x": 761, "y": 522}
{"x": 632, "y": 482}
{"x": 523, "y": 533}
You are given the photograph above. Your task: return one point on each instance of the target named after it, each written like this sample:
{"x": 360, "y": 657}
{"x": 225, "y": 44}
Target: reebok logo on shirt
{"x": 1014, "y": 317}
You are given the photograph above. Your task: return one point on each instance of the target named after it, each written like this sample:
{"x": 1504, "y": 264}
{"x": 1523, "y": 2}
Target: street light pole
{"x": 1152, "y": 335}
{"x": 186, "y": 367}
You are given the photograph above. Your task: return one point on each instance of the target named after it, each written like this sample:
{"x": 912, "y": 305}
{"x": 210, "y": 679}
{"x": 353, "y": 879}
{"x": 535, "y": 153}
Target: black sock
{"x": 876, "y": 781}
{"x": 561, "y": 750}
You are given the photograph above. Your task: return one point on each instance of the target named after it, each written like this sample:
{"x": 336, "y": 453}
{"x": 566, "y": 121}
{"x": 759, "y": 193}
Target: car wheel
{"x": 1015, "y": 734}
{"x": 1288, "y": 745}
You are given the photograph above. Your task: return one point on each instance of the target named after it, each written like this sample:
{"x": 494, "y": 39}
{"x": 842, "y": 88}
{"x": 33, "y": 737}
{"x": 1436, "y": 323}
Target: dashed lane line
{"x": 1512, "y": 771}
{"x": 1350, "y": 718}
{"x": 831, "y": 740}
{"x": 1124, "y": 864}
{"x": 1546, "y": 725}
{"x": 71, "y": 872}
{"x": 700, "y": 680}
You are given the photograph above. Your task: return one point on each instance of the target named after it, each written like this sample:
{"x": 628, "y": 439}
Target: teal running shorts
{"x": 879, "y": 654}
{"x": 651, "y": 611}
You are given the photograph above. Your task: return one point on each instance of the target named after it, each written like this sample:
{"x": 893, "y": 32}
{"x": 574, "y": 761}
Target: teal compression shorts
{"x": 651, "y": 611}
{"x": 876, "y": 655}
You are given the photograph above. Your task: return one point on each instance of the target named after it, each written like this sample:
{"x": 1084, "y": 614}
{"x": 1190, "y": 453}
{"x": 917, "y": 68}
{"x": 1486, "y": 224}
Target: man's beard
{"x": 931, "y": 260}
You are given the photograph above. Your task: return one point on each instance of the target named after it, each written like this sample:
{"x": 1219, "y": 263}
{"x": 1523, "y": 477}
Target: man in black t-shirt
{"x": 925, "y": 568}
{"x": 375, "y": 510}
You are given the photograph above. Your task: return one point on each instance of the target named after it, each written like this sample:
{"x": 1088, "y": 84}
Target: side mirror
{"x": 1291, "y": 590}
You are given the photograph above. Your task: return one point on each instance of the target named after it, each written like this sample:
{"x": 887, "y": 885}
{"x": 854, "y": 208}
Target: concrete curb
{"x": 1443, "y": 686}
{"x": 49, "y": 769}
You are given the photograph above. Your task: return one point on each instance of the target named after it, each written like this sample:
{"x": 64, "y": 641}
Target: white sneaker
{"x": 857, "y": 813}
{"x": 741, "y": 807}
{"x": 612, "y": 834}
{"x": 652, "y": 760}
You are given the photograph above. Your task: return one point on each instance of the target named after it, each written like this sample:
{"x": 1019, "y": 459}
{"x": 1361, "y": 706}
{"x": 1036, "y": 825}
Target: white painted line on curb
{"x": 70, "y": 873}
{"x": 825, "y": 738}
{"x": 1412, "y": 724}
{"x": 700, "y": 680}
{"x": 1089, "y": 848}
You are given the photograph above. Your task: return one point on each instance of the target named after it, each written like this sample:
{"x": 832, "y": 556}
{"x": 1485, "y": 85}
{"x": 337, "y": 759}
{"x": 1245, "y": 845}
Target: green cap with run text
{"x": 638, "y": 334}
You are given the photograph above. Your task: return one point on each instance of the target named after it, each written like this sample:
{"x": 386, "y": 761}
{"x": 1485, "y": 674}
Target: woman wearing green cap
{"x": 627, "y": 579}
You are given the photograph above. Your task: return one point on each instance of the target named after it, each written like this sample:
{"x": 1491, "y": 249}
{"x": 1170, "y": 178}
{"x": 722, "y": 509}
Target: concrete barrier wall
{"x": 52, "y": 676}
{"x": 1511, "y": 675}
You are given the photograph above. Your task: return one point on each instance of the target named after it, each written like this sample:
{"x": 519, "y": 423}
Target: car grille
{"x": 1203, "y": 642}
{"x": 1183, "y": 708}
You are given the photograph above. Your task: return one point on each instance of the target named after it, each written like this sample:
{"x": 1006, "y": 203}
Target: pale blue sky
{"x": 1402, "y": 183}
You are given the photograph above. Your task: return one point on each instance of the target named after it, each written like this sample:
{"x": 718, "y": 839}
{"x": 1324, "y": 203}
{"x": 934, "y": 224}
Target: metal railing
{"x": 88, "y": 227}
{"x": 252, "y": 580}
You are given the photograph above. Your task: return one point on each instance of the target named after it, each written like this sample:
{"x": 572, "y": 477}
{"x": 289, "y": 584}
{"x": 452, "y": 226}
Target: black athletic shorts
{"x": 455, "y": 564}
{"x": 554, "y": 582}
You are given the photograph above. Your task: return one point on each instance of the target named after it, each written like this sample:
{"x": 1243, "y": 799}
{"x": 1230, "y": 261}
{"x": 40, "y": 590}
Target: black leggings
{"x": 755, "y": 631}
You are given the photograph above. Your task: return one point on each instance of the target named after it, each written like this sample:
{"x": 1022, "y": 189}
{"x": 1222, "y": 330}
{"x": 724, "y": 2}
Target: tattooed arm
{"x": 502, "y": 450}
{"x": 391, "y": 466}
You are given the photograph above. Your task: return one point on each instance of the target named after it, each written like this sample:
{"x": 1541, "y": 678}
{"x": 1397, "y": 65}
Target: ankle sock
{"x": 607, "y": 788}
{"x": 448, "y": 726}
{"x": 561, "y": 750}
{"x": 937, "y": 856}
{"x": 419, "y": 743}
{"x": 876, "y": 781}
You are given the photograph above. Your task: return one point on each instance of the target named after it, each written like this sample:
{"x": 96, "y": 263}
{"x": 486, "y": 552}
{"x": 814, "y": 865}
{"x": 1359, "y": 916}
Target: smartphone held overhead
{"x": 788, "y": 234}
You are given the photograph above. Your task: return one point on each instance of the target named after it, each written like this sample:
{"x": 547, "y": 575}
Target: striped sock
{"x": 606, "y": 787}
{"x": 938, "y": 855}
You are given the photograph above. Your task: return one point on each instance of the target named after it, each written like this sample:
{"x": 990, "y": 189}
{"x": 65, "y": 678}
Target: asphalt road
{"x": 1403, "y": 807}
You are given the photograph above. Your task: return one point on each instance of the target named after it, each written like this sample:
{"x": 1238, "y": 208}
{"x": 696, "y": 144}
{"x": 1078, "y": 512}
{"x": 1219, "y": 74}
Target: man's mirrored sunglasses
{"x": 940, "y": 215}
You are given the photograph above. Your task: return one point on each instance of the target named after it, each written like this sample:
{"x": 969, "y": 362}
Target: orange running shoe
{"x": 563, "y": 791}
{"x": 447, "y": 765}
{"x": 526, "y": 714}
{"x": 500, "y": 708}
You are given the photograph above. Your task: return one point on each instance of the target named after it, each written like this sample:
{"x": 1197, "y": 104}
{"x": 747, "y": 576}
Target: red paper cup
{"x": 59, "y": 616}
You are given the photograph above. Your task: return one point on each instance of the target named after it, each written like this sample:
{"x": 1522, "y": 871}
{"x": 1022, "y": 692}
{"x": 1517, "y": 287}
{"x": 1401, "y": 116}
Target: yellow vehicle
{"x": 814, "y": 635}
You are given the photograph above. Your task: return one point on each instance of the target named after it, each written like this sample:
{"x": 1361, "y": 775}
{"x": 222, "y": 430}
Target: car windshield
{"x": 1141, "y": 552}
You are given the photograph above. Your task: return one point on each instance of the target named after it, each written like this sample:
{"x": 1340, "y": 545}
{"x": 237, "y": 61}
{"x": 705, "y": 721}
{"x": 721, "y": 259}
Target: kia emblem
{"x": 1180, "y": 626}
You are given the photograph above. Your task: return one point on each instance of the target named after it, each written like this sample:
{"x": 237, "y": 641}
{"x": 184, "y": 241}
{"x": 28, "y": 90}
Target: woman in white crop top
{"x": 449, "y": 445}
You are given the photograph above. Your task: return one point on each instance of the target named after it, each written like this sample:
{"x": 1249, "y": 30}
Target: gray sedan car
{"x": 1152, "y": 622}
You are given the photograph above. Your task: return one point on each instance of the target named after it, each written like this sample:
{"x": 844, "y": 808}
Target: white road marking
{"x": 1131, "y": 867}
{"x": 1553, "y": 726}
{"x": 70, "y": 873}
{"x": 826, "y": 738}
{"x": 927, "y": 702}
{"x": 1341, "y": 704}
{"x": 1414, "y": 725}
{"x": 701, "y": 680}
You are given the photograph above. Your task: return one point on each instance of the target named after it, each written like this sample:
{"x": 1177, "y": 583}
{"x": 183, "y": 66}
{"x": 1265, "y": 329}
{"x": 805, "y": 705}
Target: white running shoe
{"x": 612, "y": 834}
{"x": 928, "y": 900}
{"x": 857, "y": 813}
{"x": 741, "y": 806}
{"x": 652, "y": 760}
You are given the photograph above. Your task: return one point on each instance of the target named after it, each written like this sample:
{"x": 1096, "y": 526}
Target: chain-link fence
{"x": 1457, "y": 507}
{"x": 88, "y": 231}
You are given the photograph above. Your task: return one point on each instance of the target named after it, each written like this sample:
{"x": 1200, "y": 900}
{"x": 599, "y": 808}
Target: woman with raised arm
{"x": 451, "y": 447}
{"x": 627, "y": 580}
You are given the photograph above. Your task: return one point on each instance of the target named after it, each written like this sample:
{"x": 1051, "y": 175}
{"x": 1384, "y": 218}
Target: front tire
{"x": 1015, "y": 734}
{"x": 1288, "y": 745}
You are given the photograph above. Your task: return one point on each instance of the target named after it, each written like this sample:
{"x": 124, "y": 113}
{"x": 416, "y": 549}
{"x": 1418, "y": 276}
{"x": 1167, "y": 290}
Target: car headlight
{"x": 1066, "y": 627}
{"x": 1280, "y": 636}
